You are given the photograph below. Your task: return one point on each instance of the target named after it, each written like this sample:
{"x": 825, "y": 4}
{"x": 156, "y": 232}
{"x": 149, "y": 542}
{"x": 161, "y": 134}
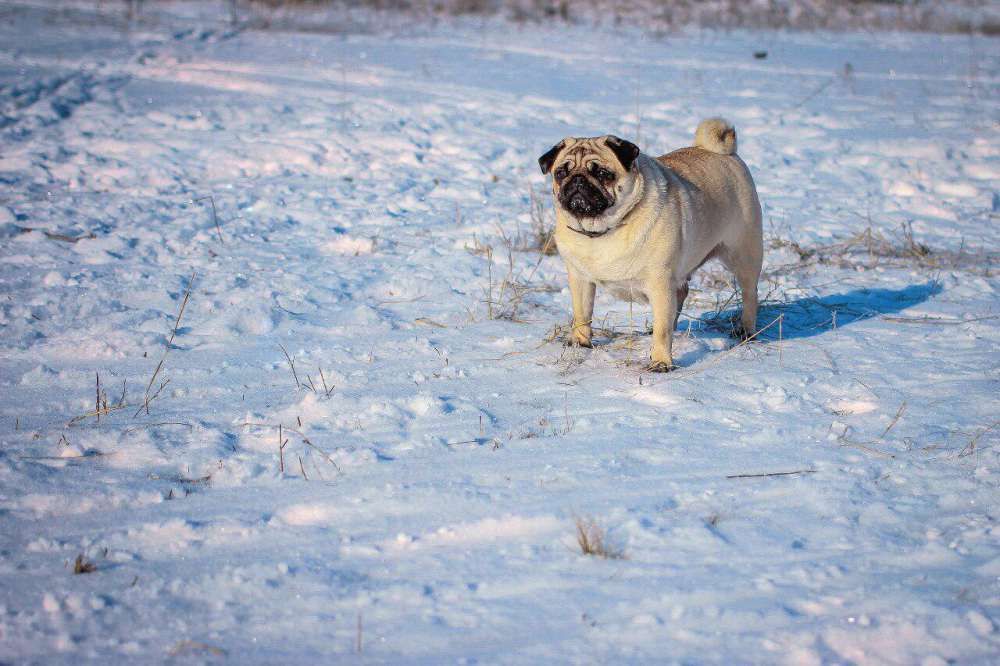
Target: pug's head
{"x": 594, "y": 180}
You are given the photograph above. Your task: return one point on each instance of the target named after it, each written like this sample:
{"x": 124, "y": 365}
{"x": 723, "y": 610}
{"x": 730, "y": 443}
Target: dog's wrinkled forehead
{"x": 578, "y": 153}
{"x": 581, "y": 152}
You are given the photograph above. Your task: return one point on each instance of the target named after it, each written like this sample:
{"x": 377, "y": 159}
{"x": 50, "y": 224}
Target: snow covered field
{"x": 373, "y": 217}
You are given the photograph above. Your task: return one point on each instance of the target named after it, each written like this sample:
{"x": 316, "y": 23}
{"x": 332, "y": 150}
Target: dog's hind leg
{"x": 748, "y": 287}
{"x": 745, "y": 263}
{"x": 682, "y": 294}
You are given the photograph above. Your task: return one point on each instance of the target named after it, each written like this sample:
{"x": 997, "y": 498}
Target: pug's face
{"x": 591, "y": 179}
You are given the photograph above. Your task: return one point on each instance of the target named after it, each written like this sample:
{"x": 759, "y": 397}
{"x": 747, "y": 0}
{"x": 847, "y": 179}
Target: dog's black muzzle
{"x": 582, "y": 199}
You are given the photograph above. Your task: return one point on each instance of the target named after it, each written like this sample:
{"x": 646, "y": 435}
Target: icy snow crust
{"x": 357, "y": 182}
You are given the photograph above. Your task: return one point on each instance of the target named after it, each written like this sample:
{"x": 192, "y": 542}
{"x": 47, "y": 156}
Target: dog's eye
{"x": 561, "y": 172}
{"x": 601, "y": 173}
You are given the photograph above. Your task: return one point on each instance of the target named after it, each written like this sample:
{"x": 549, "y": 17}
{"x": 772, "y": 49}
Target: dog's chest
{"x": 604, "y": 259}
{"x": 620, "y": 274}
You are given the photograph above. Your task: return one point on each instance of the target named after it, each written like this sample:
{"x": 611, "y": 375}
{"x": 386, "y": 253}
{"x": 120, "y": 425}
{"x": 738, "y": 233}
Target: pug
{"x": 640, "y": 226}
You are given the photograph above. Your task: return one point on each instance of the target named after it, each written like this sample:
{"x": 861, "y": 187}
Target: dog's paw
{"x": 570, "y": 342}
{"x": 742, "y": 334}
{"x": 661, "y": 366}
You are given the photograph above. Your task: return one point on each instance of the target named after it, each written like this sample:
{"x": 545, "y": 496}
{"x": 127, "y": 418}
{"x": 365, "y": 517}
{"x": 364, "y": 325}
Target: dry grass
{"x": 282, "y": 443}
{"x": 83, "y": 566}
{"x": 653, "y": 16}
{"x": 151, "y": 395}
{"x": 359, "y": 636}
{"x": 302, "y": 438}
{"x": 765, "y": 475}
{"x": 291, "y": 365}
{"x": 542, "y": 236}
{"x": 505, "y": 296}
{"x": 970, "y": 448}
{"x": 103, "y": 407}
{"x": 308, "y": 384}
{"x": 871, "y": 248}
{"x": 215, "y": 216}
{"x": 57, "y": 237}
{"x": 188, "y": 648}
{"x": 592, "y": 540}
{"x": 895, "y": 420}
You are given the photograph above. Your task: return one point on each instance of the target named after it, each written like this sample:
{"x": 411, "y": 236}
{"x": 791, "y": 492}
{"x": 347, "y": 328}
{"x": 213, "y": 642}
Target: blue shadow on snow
{"x": 806, "y": 317}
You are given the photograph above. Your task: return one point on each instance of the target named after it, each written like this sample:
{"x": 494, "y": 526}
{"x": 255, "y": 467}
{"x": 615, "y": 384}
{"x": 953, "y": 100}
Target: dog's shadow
{"x": 810, "y": 316}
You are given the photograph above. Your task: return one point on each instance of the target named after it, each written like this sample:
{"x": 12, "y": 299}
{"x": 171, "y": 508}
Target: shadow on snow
{"x": 806, "y": 317}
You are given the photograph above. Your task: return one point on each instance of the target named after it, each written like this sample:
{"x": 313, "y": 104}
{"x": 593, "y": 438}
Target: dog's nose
{"x": 578, "y": 186}
{"x": 581, "y": 198}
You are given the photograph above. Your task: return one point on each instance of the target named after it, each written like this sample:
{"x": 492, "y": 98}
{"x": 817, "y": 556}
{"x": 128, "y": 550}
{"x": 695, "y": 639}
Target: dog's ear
{"x": 548, "y": 159}
{"x": 625, "y": 151}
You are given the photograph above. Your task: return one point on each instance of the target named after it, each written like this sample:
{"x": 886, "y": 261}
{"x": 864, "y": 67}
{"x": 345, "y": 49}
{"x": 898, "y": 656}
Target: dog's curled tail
{"x": 716, "y": 135}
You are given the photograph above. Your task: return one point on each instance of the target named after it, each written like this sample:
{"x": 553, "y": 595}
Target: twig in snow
{"x": 357, "y": 645}
{"x": 148, "y": 400}
{"x": 187, "y": 647}
{"x": 680, "y": 374}
{"x": 58, "y": 237}
{"x": 766, "y": 474}
{"x": 215, "y": 216}
{"x": 282, "y": 442}
{"x": 121, "y": 400}
{"x": 101, "y": 405}
{"x": 935, "y": 320}
{"x": 305, "y": 440}
{"x": 567, "y": 421}
{"x": 159, "y": 366}
{"x": 326, "y": 390}
{"x": 864, "y": 447}
{"x": 781, "y": 320}
{"x": 816, "y": 92}
{"x": 970, "y": 448}
{"x": 895, "y": 419}
{"x": 291, "y": 364}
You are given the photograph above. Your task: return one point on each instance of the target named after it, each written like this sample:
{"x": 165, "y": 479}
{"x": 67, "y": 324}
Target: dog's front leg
{"x": 663, "y": 297}
{"x": 582, "y": 292}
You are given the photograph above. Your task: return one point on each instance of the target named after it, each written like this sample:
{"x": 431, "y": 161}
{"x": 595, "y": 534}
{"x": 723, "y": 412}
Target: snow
{"x": 435, "y": 471}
